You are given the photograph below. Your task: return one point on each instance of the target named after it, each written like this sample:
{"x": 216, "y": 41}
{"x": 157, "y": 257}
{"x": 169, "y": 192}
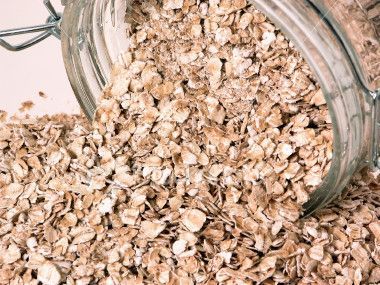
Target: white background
{"x": 40, "y": 68}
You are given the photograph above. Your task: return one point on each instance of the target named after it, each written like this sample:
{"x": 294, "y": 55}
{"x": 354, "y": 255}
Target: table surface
{"x": 40, "y": 68}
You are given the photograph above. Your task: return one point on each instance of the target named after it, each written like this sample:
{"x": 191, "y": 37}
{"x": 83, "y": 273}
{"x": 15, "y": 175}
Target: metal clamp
{"x": 51, "y": 27}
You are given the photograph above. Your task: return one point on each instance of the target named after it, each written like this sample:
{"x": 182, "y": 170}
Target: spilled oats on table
{"x": 208, "y": 141}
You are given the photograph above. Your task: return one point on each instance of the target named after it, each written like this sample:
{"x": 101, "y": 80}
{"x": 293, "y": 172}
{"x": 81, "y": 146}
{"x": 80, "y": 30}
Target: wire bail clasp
{"x": 51, "y": 27}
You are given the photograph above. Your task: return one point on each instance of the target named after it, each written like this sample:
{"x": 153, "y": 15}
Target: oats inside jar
{"x": 213, "y": 95}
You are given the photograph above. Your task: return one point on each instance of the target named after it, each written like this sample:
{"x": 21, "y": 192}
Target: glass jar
{"x": 336, "y": 37}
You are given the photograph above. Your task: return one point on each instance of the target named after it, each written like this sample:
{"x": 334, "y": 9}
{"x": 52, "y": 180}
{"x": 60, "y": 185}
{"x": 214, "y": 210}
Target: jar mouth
{"x": 330, "y": 63}
{"x": 94, "y": 39}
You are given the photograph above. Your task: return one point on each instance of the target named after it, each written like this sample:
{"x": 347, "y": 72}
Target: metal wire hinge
{"x": 51, "y": 27}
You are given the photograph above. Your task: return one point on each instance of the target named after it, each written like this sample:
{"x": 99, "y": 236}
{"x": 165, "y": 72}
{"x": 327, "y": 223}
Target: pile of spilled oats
{"x": 209, "y": 140}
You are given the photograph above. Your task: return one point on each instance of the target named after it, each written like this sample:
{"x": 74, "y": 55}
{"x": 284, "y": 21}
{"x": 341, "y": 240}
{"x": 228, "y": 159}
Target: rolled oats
{"x": 193, "y": 219}
{"x": 151, "y": 229}
{"x": 206, "y": 145}
{"x": 316, "y": 252}
{"x": 179, "y": 246}
{"x": 3, "y": 116}
{"x": 48, "y": 274}
{"x": 42, "y": 94}
{"x": 26, "y": 106}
